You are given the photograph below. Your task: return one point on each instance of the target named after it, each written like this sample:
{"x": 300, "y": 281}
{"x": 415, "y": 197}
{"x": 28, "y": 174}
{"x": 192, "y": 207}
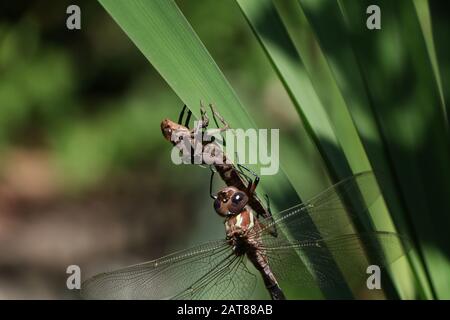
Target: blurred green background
{"x": 86, "y": 177}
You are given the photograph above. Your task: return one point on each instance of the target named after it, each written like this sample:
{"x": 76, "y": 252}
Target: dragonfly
{"x": 238, "y": 175}
{"x": 305, "y": 253}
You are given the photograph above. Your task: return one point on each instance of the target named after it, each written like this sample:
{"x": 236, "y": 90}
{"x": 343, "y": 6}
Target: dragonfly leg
{"x": 188, "y": 119}
{"x": 221, "y": 119}
{"x": 240, "y": 171}
{"x": 213, "y": 196}
{"x": 204, "y": 116}
{"x": 213, "y": 132}
{"x": 180, "y": 117}
{"x": 219, "y": 129}
{"x": 268, "y": 203}
{"x": 249, "y": 180}
{"x": 252, "y": 183}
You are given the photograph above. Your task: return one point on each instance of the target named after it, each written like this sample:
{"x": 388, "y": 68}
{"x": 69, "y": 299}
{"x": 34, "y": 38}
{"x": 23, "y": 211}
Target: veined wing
{"x": 318, "y": 234}
{"x": 209, "y": 270}
{"x": 333, "y": 261}
{"x": 231, "y": 280}
{"x": 330, "y": 212}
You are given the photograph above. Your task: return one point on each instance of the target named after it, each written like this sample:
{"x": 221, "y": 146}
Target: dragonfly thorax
{"x": 238, "y": 229}
{"x": 240, "y": 223}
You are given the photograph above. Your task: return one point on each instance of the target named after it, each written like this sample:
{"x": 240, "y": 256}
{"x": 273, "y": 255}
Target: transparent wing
{"x": 318, "y": 245}
{"x": 229, "y": 281}
{"x": 333, "y": 261}
{"x": 189, "y": 274}
{"x": 330, "y": 212}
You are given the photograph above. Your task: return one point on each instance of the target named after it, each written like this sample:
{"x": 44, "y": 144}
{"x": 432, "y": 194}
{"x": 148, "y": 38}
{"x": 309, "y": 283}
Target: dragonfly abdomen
{"x": 259, "y": 260}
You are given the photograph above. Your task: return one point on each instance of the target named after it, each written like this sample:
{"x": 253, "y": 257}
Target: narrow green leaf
{"x": 407, "y": 104}
{"x": 294, "y": 52}
{"x": 423, "y": 13}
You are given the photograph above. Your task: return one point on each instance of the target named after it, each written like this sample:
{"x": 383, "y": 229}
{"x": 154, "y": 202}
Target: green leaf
{"x": 295, "y": 54}
{"x": 390, "y": 74}
{"x": 367, "y": 99}
{"x": 162, "y": 34}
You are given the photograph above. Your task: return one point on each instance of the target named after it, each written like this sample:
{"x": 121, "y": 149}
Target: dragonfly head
{"x": 230, "y": 201}
{"x": 173, "y": 131}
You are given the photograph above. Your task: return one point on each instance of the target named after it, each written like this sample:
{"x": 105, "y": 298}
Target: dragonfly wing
{"x": 330, "y": 212}
{"x": 163, "y": 278}
{"x": 352, "y": 253}
{"x": 231, "y": 280}
{"x": 319, "y": 235}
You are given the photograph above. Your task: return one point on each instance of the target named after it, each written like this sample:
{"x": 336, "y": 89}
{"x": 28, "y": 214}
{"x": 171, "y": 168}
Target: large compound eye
{"x": 217, "y": 204}
{"x": 168, "y": 132}
{"x": 238, "y": 201}
{"x": 220, "y": 208}
{"x": 238, "y": 197}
